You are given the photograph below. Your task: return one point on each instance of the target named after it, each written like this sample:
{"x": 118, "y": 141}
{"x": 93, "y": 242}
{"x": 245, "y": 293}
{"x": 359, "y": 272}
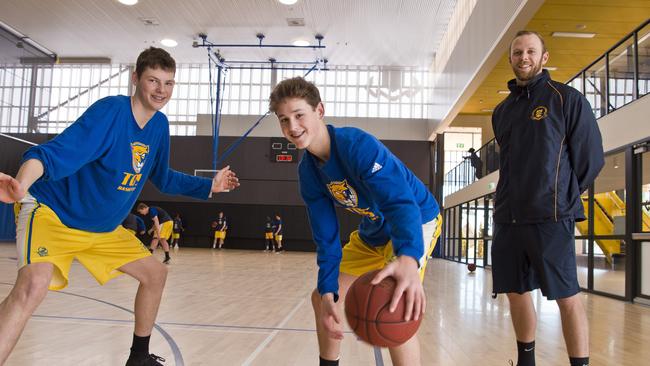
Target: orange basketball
{"x": 471, "y": 267}
{"x": 366, "y": 308}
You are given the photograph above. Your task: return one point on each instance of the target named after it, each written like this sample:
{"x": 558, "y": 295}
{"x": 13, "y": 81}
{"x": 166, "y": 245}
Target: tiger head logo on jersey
{"x": 139, "y": 153}
{"x": 343, "y": 193}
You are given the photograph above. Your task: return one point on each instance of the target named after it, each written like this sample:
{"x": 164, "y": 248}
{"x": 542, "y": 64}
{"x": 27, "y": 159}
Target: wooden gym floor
{"x": 233, "y": 307}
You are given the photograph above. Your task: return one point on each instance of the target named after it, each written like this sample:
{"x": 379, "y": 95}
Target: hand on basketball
{"x": 225, "y": 180}
{"x": 10, "y": 189}
{"x": 405, "y": 271}
{"x": 329, "y": 317}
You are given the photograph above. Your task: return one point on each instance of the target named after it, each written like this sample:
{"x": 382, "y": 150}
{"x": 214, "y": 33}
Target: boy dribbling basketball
{"x": 349, "y": 168}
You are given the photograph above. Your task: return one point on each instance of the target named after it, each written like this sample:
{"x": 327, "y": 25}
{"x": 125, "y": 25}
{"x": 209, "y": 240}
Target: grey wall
{"x": 266, "y": 188}
{"x": 627, "y": 125}
{"x": 11, "y": 151}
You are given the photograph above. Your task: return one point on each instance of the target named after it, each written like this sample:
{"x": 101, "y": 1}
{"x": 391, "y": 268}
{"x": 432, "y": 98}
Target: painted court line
{"x": 379, "y": 359}
{"x": 268, "y": 339}
{"x": 178, "y": 324}
{"x": 178, "y": 357}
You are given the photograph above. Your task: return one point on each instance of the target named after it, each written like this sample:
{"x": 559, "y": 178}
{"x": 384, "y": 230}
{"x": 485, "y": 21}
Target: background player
{"x": 135, "y": 225}
{"x": 268, "y": 235}
{"x": 277, "y": 233}
{"x": 178, "y": 228}
{"x": 220, "y": 231}
{"x": 162, "y": 226}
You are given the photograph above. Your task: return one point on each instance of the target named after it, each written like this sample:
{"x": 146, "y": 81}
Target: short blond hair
{"x": 294, "y": 88}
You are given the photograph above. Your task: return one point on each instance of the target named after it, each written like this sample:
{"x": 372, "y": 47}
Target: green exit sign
{"x": 460, "y": 145}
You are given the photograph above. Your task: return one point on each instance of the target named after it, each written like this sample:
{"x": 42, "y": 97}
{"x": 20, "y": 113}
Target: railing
{"x": 618, "y": 77}
{"x": 475, "y": 166}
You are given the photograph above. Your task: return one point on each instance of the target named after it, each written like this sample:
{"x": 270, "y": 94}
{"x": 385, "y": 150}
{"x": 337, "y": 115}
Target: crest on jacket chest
{"x": 539, "y": 113}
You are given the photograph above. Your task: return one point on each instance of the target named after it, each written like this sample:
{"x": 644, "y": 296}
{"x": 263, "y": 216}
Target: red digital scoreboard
{"x": 282, "y": 151}
{"x": 284, "y": 158}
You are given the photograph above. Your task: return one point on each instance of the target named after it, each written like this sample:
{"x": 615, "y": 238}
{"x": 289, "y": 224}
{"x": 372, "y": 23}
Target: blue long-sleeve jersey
{"x": 364, "y": 177}
{"x": 96, "y": 168}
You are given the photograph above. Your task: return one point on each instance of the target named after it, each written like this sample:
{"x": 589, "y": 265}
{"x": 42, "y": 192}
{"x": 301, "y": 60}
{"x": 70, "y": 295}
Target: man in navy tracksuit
{"x": 551, "y": 151}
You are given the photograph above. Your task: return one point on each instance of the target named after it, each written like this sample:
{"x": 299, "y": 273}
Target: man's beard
{"x": 527, "y": 76}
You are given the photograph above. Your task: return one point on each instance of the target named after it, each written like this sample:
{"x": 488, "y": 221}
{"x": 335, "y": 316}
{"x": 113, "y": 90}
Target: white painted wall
{"x": 483, "y": 42}
{"x": 484, "y": 122}
{"x": 481, "y": 187}
{"x": 627, "y": 125}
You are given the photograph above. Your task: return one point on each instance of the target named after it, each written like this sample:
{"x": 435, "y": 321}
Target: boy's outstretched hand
{"x": 10, "y": 189}
{"x": 405, "y": 271}
{"x": 225, "y": 180}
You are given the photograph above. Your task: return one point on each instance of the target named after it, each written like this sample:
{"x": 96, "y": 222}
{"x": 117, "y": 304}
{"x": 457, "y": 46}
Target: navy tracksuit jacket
{"x": 551, "y": 151}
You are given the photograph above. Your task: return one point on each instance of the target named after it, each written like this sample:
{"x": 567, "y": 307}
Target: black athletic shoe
{"x": 166, "y": 261}
{"x": 150, "y": 360}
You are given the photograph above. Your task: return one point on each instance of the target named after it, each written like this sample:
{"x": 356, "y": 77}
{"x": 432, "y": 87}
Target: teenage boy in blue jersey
{"x": 400, "y": 224}
{"x": 73, "y": 192}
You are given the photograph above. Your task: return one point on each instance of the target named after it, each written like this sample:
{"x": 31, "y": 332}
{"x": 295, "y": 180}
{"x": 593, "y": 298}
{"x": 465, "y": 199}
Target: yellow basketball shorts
{"x": 277, "y": 237}
{"x": 166, "y": 229}
{"x": 131, "y": 231}
{"x": 268, "y": 235}
{"x": 359, "y": 257}
{"x": 220, "y": 235}
{"x": 42, "y": 238}
{"x": 176, "y": 236}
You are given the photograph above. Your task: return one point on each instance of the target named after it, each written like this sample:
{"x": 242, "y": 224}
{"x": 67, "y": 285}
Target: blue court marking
{"x": 189, "y": 325}
{"x": 178, "y": 357}
{"x": 379, "y": 359}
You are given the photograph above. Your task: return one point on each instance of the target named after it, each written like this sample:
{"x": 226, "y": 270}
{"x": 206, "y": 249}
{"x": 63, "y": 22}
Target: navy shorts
{"x": 528, "y": 257}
